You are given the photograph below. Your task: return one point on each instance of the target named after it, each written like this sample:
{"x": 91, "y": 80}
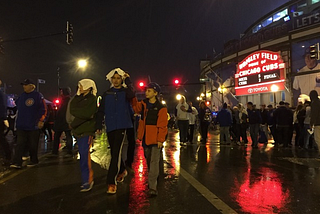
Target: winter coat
{"x": 84, "y": 109}
{"x": 115, "y": 107}
{"x": 224, "y": 118}
{"x": 153, "y": 123}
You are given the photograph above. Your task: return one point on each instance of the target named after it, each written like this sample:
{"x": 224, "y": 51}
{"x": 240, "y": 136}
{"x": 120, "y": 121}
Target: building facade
{"x": 271, "y": 61}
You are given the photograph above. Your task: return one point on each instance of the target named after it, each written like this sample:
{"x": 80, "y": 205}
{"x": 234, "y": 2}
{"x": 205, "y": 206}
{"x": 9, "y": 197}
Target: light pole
{"x": 221, "y": 89}
{"x": 274, "y": 89}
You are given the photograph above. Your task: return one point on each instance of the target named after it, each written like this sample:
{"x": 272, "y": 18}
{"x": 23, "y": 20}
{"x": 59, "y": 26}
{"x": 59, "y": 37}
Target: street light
{"x": 82, "y": 63}
{"x": 178, "y": 97}
{"x": 274, "y": 89}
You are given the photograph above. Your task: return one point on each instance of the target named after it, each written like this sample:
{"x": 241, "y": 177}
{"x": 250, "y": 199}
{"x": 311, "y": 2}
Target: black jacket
{"x": 283, "y": 116}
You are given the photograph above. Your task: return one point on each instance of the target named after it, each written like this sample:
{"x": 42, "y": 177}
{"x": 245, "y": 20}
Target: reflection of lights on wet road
{"x": 208, "y": 153}
{"x": 138, "y": 200}
{"x": 263, "y": 195}
{"x": 172, "y": 155}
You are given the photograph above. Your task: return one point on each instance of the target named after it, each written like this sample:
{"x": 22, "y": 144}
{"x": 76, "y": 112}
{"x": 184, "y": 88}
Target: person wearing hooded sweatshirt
{"x": 152, "y": 131}
{"x": 61, "y": 125}
{"x": 83, "y": 108}
{"x": 114, "y": 109}
{"x": 181, "y": 111}
{"x": 315, "y": 116}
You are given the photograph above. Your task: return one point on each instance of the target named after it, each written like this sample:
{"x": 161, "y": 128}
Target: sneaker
{"x": 152, "y": 193}
{"x": 30, "y": 164}
{"x": 16, "y": 166}
{"x": 86, "y": 187}
{"x": 24, "y": 158}
{"x": 112, "y": 189}
{"x": 120, "y": 177}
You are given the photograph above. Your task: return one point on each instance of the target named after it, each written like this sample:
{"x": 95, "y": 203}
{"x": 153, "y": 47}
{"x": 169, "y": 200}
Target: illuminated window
{"x": 267, "y": 22}
{"x": 302, "y": 4}
{"x": 314, "y": 1}
{"x": 280, "y": 15}
{"x": 256, "y": 28}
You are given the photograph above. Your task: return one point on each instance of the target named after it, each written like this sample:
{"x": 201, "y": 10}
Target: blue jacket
{"x": 31, "y": 109}
{"x": 115, "y": 109}
{"x": 224, "y": 118}
{"x": 254, "y": 116}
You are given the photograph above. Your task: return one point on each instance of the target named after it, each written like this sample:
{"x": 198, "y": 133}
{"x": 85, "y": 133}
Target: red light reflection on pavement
{"x": 264, "y": 195}
{"x": 138, "y": 199}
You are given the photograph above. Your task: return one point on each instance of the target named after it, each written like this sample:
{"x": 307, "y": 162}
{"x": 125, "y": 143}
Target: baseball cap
{"x": 154, "y": 86}
{"x": 27, "y": 82}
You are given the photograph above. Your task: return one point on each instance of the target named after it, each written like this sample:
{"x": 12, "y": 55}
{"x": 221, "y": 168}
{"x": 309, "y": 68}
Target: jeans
{"x": 183, "y": 130}
{"x": 30, "y": 139}
{"x": 225, "y": 132}
{"x": 254, "y": 133}
{"x": 84, "y": 145}
{"x": 306, "y": 136}
{"x": 191, "y": 132}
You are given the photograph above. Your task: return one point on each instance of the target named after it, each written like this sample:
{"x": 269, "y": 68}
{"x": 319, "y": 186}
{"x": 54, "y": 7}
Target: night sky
{"x": 163, "y": 39}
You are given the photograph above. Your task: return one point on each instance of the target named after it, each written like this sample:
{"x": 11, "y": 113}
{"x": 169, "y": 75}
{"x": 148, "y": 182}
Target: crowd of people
{"x": 238, "y": 124}
{"x": 81, "y": 117}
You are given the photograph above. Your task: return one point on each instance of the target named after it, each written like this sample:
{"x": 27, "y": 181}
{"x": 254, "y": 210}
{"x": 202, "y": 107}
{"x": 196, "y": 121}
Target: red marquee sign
{"x": 258, "y": 72}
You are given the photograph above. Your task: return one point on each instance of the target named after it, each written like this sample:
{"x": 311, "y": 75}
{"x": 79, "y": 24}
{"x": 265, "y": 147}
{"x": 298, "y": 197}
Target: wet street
{"x": 197, "y": 178}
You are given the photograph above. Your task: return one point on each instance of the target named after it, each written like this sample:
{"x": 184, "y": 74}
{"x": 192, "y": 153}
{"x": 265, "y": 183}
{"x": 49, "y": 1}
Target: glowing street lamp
{"x": 178, "y": 97}
{"x": 82, "y": 63}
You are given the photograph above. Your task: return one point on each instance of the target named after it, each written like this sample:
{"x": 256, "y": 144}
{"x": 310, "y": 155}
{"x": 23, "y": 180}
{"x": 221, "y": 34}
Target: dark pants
{"x": 243, "y": 132}
{"x": 298, "y": 134}
{"x": 29, "y": 139}
{"x": 3, "y": 142}
{"x": 183, "y": 130}
{"x": 117, "y": 166}
{"x": 56, "y": 142}
{"x": 191, "y": 132}
{"x": 84, "y": 145}
{"x": 273, "y": 132}
{"x": 282, "y": 135}
{"x": 131, "y": 146}
{"x": 254, "y": 133}
{"x": 204, "y": 131}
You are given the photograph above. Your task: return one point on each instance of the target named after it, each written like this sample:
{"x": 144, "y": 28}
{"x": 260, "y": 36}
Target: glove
{"x": 6, "y": 123}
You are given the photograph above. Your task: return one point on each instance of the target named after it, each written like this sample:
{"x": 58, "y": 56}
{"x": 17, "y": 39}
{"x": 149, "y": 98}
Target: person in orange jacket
{"x": 152, "y": 131}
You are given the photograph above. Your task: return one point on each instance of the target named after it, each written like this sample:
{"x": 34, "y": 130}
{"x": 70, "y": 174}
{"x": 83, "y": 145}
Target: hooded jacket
{"x": 153, "y": 123}
{"x": 315, "y": 107}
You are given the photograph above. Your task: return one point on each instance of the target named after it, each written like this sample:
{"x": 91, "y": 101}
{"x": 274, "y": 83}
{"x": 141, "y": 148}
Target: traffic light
{"x": 141, "y": 85}
{"x": 69, "y": 33}
{"x": 176, "y": 82}
{"x": 56, "y": 101}
{"x": 208, "y": 103}
{"x": 314, "y": 51}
